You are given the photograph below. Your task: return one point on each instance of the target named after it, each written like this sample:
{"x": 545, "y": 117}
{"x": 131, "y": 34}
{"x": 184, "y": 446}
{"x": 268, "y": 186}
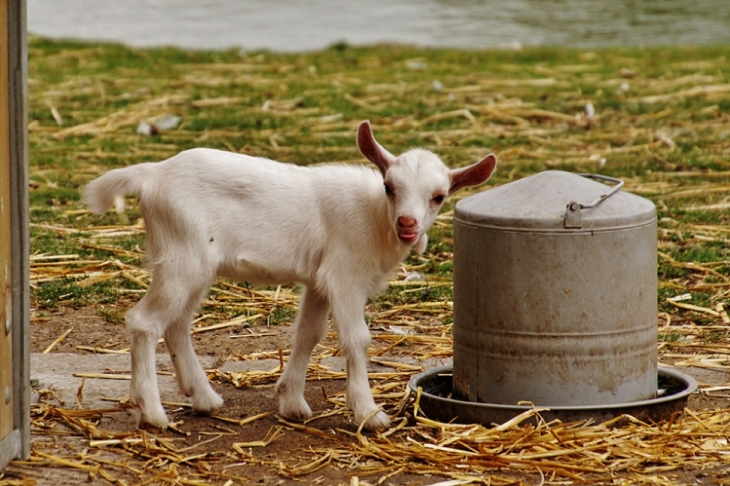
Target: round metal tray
{"x": 437, "y": 402}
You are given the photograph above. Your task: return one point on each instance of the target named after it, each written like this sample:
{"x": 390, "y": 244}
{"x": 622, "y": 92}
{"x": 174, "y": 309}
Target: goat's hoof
{"x": 153, "y": 416}
{"x": 298, "y": 413}
{"x": 207, "y": 405}
{"x": 379, "y": 421}
{"x": 149, "y": 421}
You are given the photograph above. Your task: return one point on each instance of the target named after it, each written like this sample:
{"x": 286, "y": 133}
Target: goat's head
{"x": 416, "y": 184}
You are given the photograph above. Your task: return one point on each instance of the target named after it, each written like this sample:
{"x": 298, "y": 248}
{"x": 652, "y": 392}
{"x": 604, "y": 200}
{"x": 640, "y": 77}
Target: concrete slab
{"x": 335, "y": 363}
{"x": 59, "y": 372}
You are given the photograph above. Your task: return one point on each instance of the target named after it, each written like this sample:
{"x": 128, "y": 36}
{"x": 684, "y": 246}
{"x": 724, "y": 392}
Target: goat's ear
{"x": 472, "y": 175}
{"x": 371, "y": 149}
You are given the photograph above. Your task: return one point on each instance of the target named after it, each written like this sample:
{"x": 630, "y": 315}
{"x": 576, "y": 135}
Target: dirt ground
{"x": 195, "y": 431}
{"x": 198, "y": 436}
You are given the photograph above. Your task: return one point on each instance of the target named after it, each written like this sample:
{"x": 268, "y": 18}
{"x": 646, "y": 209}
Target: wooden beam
{"x": 6, "y": 348}
{"x": 18, "y": 442}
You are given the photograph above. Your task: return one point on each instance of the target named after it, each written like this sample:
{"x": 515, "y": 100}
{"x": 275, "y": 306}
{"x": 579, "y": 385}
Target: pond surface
{"x": 301, "y": 25}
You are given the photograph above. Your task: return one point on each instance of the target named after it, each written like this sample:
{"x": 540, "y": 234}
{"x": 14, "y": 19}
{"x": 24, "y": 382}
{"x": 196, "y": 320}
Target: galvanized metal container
{"x": 555, "y": 304}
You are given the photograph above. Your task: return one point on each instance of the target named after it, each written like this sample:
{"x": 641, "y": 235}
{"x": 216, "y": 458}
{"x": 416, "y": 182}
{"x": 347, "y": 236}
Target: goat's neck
{"x": 393, "y": 251}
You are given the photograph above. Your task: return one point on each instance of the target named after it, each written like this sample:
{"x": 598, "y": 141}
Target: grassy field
{"x": 661, "y": 123}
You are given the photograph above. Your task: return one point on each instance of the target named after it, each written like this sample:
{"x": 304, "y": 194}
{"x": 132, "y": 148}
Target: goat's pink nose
{"x": 406, "y": 221}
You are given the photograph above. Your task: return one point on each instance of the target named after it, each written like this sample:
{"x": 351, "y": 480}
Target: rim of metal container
{"x": 538, "y": 203}
{"x": 413, "y": 384}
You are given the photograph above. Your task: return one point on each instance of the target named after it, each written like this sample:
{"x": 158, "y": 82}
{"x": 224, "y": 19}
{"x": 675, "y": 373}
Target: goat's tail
{"x": 110, "y": 189}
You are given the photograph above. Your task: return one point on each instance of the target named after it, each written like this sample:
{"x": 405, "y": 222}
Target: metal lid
{"x": 542, "y": 202}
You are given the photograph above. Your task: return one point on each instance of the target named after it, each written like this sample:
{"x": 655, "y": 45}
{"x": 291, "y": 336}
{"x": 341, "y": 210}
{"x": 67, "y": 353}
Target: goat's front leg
{"x": 310, "y": 328}
{"x": 354, "y": 338}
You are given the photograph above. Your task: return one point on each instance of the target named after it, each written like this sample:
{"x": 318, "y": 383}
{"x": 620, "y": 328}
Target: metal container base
{"x": 437, "y": 402}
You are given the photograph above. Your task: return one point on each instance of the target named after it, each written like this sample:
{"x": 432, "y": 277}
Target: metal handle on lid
{"x": 572, "y": 217}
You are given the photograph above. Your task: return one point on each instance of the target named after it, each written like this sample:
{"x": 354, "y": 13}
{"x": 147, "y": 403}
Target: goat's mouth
{"x": 407, "y": 237}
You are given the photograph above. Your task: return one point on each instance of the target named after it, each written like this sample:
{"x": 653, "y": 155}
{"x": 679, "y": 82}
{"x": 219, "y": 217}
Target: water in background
{"x": 300, "y": 25}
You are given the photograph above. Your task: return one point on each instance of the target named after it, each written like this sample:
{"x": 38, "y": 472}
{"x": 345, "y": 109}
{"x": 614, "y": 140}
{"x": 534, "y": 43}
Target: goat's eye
{"x": 388, "y": 189}
{"x": 438, "y": 199}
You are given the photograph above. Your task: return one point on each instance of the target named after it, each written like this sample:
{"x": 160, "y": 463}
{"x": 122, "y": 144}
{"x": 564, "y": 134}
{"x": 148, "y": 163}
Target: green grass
{"x": 526, "y": 106}
{"x": 67, "y": 292}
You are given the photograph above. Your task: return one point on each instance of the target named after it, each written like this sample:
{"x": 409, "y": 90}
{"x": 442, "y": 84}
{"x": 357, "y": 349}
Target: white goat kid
{"x": 338, "y": 230}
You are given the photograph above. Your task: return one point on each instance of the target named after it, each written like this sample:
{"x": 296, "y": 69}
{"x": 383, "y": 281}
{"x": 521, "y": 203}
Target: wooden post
{"x": 6, "y": 343}
{"x": 14, "y": 237}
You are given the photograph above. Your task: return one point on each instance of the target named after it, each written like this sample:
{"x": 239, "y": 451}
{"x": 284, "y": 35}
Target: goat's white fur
{"x": 332, "y": 228}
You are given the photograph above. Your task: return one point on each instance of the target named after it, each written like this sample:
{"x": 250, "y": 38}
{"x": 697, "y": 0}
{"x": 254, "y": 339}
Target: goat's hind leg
{"x": 166, "y": 310}
{"x": 311, "y": 326}
{"x": 145, "y": 328}
{"x": 191, "y": 283}
{"x": 190, "y": 375}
